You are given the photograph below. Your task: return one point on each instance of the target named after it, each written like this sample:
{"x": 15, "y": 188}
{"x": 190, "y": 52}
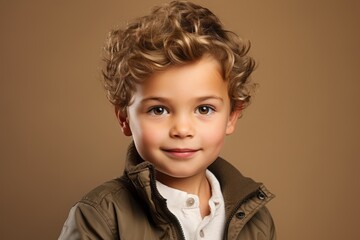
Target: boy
{"x": 178, "y": 82}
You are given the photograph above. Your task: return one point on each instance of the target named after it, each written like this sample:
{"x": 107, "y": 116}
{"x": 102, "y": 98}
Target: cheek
{"x": 213, "y": 141}
{"x": 215, "y": 134}
{"x": 214, "y": 137}
{"x": 147, "y": 133}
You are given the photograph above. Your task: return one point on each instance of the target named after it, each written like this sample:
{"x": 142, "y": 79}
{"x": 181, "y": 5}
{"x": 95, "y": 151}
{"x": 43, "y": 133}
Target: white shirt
{"x": 186, "y": 208}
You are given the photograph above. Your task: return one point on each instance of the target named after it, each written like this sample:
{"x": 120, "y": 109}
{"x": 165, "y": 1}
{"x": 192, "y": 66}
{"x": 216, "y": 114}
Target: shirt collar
{"x": 179, "y": 199}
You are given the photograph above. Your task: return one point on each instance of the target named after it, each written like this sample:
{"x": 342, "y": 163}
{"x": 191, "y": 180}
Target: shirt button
{"x": 240, "y": 215}
{"x": 190, "y": 202}
{"x": 202, "y": 234}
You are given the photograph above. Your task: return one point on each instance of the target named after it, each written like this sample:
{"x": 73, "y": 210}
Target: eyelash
{"x": 161, "y": 110}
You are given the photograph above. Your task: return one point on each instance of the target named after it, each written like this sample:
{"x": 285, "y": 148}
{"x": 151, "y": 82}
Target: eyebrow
{"x": 200, "y": 99}
{"x": 210, "y": 97}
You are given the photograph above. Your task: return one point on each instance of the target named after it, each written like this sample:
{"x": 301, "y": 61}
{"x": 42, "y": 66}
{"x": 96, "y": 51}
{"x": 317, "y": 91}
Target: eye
{"x": 205, "y": 110}
{"x": 158, "y": 110}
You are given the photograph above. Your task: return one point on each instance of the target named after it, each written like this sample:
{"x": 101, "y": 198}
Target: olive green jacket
{"x": 131, "y": 208}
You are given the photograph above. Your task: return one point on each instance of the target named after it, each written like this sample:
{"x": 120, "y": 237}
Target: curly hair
{"x": 173, "y": 34}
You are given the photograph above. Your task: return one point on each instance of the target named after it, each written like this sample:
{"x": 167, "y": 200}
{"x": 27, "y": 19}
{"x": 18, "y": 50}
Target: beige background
{"x": 59, "y": 137}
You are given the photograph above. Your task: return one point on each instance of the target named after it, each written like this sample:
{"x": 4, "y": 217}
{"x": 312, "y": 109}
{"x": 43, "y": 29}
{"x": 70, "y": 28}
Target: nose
{"x": 182, "y": 127}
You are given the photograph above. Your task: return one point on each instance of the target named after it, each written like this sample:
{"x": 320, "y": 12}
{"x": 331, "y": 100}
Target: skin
{"x": 178, "y": 119}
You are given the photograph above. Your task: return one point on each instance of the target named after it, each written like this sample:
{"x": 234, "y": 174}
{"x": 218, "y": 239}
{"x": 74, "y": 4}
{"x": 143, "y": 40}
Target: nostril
{"x": 181, "y": 132}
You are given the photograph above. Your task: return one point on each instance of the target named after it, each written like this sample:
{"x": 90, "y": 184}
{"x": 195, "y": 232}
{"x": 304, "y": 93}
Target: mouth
{"x": 182, "y": 153}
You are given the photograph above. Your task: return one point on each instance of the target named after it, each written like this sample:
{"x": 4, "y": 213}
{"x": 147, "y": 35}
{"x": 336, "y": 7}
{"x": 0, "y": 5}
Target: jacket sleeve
{"x": 85, "y": 222}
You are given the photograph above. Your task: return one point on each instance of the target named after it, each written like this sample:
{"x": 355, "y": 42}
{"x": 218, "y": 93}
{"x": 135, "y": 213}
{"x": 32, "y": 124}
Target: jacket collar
{"x": 235, "y": 187}
{"x": 142, "y": 177}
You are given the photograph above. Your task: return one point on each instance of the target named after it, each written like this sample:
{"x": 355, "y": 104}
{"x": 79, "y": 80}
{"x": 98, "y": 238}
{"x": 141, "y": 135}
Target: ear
{"x": 123, "y": 121}
{"x": 231, "y": 124}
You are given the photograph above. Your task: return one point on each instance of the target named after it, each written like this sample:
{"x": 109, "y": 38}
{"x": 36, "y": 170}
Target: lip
{"x": 180, "y": 153}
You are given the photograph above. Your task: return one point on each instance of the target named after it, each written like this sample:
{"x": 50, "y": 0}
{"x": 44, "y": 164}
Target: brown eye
{"x": 158, "y": 110}
{"x": 204, "y": 110}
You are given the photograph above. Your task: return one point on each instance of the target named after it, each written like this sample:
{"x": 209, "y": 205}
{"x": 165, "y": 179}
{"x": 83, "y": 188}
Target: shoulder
{"x": 264, "y": 221}
{"x": 263, "y": 215}
{"x": 108, "y": 191}
{"x": 96, "y": 214}
{"x": 110, "y": 201}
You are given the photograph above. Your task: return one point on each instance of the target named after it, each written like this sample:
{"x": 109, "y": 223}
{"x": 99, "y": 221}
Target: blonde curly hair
{"x": 173, "y": 34}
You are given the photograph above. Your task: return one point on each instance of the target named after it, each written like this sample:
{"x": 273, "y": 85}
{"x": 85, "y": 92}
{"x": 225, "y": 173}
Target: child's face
{"x": 179, "y": 118}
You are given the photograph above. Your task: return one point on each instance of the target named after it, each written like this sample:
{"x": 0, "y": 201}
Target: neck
{"x": 197, "y": 185}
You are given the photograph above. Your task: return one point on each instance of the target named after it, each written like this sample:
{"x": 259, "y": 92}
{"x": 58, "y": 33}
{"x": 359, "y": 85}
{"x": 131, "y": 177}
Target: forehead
{"x": 197, "y": 76}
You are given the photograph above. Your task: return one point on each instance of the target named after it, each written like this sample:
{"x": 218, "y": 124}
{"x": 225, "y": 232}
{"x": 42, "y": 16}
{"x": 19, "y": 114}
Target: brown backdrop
{"x": 59, "y": 137}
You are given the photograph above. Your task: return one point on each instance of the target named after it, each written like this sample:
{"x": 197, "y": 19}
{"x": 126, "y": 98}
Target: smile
{"x": 183, "y": 153}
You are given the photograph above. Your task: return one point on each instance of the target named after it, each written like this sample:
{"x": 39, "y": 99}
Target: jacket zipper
{"x": 178, "y": 226}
